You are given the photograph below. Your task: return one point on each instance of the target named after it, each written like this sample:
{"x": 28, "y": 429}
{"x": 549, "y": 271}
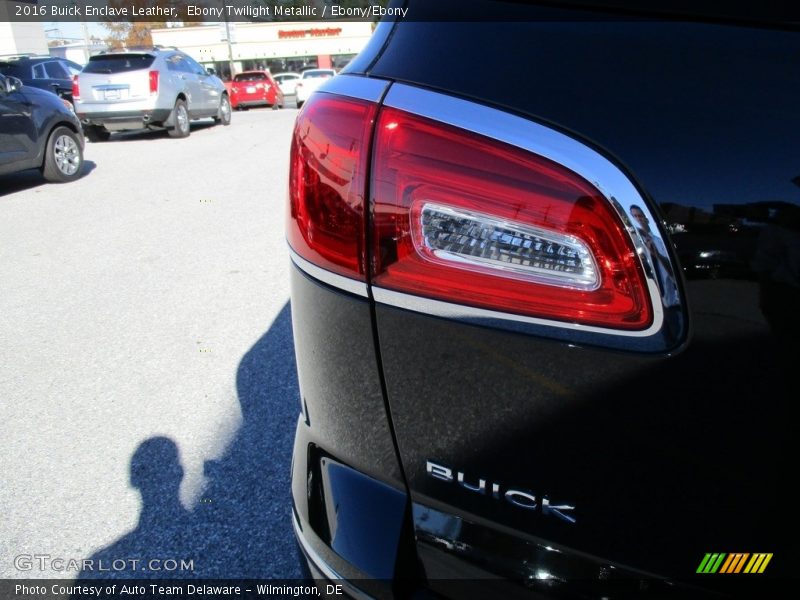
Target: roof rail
{"x": 23, "y": 56}
{"x": 154, "y": 48}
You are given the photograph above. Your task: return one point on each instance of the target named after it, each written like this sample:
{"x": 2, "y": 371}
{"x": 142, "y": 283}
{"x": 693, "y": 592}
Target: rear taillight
{"x": 153, "y": 82}
{"x": 327, "y": 182}
{"x": 76, "y": 88}
{"x": 462, "y": 218}
{"x": 458, "y": 217}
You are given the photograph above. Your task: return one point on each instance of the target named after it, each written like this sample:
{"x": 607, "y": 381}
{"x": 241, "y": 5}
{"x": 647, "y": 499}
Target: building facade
{"x": 20, "y": 37}
{"x": 285, "y": 46}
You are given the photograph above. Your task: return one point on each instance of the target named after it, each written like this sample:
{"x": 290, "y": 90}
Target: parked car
{"x": 152, "y": 89}
{"x": 287, "y": 82}
{"x": 255, "y": 88}
{"x": 38, "y": 130}
{"x": 508, "y": 388}
{"x": 309, "y": 81}
{"x": 45, "y": 72}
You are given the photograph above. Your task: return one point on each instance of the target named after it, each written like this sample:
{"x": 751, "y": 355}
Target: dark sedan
{"x": 38, "y": 130}
{"x": 44, "y": 72}
{"x": 510, "y": 388}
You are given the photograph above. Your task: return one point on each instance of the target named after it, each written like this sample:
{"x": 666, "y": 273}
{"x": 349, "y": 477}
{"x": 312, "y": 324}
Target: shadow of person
{"x": 247, "y": 502}
{"x": 241, "y": 526}
{"x": 163, "y": 534}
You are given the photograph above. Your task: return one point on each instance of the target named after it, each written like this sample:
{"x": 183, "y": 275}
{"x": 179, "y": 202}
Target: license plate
{"x": 112, "y": 94}
{"x": 251, "y": 89}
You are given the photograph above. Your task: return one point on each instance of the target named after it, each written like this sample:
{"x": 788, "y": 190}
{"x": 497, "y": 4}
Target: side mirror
{"x": 11, "y": 84}
{"x": 211, "y": 71}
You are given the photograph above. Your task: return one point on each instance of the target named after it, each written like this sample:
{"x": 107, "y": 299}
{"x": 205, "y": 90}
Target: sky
{"x": 73, "y": 30}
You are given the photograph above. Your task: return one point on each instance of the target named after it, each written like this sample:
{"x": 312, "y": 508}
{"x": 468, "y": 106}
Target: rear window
{"x": 7, "y": 69}
{"x": 118, "y": 63}
{"x": 250, "y": 77}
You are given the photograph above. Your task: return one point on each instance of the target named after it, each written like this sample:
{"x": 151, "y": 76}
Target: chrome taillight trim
{"x": 483, "y": 316}
{"x": 359, "y": 288}
{"x": 354, "y": 86}
{"x": 558, "y": 147}
{"x": 539, "y": 139}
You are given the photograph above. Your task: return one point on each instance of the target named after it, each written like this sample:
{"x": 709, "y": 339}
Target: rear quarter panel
{"x": 665, "y": 456}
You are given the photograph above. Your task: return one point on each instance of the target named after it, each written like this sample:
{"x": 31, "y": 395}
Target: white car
{"x": 287, "y": 82}
{"x": 310, "y": 81}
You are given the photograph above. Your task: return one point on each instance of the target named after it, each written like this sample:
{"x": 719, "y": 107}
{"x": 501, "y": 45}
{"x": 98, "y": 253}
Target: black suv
{"x": 38, "y": 130}
{"x": 526, "y": 367}
{"x": 45, "y": 72}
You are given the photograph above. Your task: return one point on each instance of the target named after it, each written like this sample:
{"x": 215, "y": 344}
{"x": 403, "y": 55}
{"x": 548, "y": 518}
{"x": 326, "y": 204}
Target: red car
{"x": 255, "y": 88}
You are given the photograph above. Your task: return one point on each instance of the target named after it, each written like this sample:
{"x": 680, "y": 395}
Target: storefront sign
{"x": 302, "y": 33}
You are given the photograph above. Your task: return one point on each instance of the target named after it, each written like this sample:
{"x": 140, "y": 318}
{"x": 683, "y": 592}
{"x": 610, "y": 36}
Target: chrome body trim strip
{"x": 355, "y": 86}
{"x": 482, "y": 316}
{"x": 359, "y": 288}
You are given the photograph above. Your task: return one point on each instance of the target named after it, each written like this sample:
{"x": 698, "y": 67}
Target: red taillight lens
{"x": 76, "y": 88}
{"x": 327, "y": 181}
{"x": 462, "y": 218}
{"x": 153, "y": 82}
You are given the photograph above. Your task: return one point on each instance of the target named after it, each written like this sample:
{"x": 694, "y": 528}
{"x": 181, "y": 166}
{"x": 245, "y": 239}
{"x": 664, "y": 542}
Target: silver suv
{"x": 153, "y": 89}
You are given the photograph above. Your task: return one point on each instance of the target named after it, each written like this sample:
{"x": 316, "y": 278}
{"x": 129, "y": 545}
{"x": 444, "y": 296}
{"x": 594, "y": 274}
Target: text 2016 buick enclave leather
{"x": 545, "y": 303}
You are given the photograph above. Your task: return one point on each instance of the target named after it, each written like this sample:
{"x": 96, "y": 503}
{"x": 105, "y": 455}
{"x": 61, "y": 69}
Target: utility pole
{"x": 230, "y": 48}
{"x": 86, "y": 50}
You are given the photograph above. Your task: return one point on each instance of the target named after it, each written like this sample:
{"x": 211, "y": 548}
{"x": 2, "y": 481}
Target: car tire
{"x": 181, "y": 129}
{"x": 63, "y": 156}
{"x": 224, "y": 111}
{"x": 96, "y": 133}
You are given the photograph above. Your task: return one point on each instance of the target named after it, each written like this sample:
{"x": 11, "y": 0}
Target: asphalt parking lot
{"x": 148, "y": 387}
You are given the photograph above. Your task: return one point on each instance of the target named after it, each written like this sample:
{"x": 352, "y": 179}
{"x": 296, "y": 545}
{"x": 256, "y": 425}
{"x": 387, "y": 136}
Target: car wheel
{"x": 224, "y": 112}
{"x": 181, "y": 114}
{"x": 96, "y": 133}
{"x": 63, "y": 157}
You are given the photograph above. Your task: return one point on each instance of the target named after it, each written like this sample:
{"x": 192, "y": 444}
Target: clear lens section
{"x": 473, "y": 240}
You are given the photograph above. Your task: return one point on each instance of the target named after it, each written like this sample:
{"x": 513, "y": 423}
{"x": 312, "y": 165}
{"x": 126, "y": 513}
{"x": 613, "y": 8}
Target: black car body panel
{"x": 657, "y": 456}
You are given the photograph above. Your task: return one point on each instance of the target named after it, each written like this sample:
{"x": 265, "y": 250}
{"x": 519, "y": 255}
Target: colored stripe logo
{"x": 738, "y": 562}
